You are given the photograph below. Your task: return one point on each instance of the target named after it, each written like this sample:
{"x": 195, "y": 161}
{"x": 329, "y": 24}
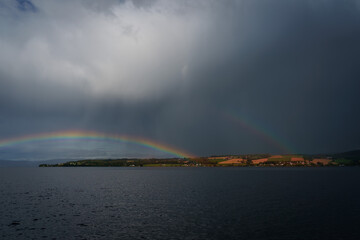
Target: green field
{"x": 343, "y": 161}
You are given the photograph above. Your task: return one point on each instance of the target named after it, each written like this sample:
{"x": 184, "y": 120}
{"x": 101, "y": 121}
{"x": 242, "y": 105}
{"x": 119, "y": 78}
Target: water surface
{"x": 180, "y": 203}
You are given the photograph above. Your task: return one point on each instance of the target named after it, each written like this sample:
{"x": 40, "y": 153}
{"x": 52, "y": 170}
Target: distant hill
{"x": 8, "y": 163}
{"x": 14, "y": 163}
{"x": 344, "y": 158}
{"x": 352, "y": 155}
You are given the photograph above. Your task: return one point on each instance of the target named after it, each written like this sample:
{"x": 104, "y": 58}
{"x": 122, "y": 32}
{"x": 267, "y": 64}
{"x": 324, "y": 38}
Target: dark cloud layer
{"x": 210, "y": 77}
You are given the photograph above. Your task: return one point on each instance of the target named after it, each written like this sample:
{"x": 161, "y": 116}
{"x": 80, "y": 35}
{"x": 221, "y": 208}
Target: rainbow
{"x": 260, "y": 131}
{"x": 92, "y": 135}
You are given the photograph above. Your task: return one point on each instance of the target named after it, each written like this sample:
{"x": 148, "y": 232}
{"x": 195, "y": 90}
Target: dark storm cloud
{"x": 25, "y": 5}
{"x": 175, "y": 70}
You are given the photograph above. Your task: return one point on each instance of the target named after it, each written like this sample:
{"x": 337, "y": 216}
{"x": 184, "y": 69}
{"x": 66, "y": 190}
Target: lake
{"x": 180, "y": 203}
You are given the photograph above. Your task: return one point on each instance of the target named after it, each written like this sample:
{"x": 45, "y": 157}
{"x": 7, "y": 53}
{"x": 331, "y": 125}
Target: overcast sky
{"x": 209, "y": 77}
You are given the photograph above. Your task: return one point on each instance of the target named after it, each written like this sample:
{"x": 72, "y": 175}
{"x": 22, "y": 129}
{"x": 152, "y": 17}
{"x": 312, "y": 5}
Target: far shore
{"x": 265, "y": 160}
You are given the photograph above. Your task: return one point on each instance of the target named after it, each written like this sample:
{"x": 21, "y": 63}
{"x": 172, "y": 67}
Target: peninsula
{"x": 351, "y": 158}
